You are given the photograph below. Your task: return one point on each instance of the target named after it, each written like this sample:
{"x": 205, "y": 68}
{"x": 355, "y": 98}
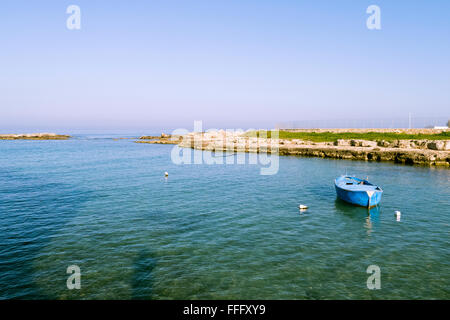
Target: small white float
{"x": 302, "y": 207}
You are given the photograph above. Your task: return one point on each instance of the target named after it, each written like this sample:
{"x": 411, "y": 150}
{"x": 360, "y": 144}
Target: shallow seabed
{"x": 212, "y": 231}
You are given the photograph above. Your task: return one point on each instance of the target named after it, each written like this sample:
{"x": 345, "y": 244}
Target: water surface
{"x": 212, "y": 231}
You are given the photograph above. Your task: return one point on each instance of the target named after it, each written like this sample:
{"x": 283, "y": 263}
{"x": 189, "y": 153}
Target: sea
{"x": 95, "y": 217}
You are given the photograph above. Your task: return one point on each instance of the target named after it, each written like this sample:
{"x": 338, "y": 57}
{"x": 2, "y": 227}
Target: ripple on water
{"x": 213, "y": 232}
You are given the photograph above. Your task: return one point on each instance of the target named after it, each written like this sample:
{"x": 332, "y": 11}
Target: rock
{"x": 404, "y": 144}
{"x": 34, "y": 136}
{"x": 436, "y": 145}
{"x": 418, "y": 144}
{"x": 383, "y": 143}
{"x": 298, "y": 141}
{"x": 363, "y": 143}
{"x": 342, "y": 142}
{"x": 368, "y": 144}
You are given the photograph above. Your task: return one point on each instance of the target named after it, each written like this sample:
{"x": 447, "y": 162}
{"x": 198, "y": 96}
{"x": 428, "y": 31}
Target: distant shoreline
{"x": 34, "y": 136}
{"x": 429, "y": 147}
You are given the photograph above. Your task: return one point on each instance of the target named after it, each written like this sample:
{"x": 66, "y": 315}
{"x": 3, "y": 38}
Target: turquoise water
{"x": 212, "y": 231}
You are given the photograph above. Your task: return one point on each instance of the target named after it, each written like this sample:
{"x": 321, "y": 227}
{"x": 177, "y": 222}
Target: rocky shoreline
{"x": 162, "y": 139}
{"x": 34, "y": 136}
{"x": 420, "y": 152}
{"x": 405, "y": 151}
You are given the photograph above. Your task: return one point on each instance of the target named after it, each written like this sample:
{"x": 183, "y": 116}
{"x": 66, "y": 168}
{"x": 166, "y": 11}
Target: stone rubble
{"x": 424, "y": 152}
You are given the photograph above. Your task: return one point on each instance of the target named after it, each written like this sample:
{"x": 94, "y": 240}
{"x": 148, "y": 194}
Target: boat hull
{"x": 358, "y": 192}
{"x": 359, "y": 198}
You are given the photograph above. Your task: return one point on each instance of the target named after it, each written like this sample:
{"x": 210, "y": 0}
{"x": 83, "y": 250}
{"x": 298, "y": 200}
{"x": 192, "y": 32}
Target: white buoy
{"x": 398, "y": 214}
{"x": 166, "y": 174}
{"x": 302, "y": 207}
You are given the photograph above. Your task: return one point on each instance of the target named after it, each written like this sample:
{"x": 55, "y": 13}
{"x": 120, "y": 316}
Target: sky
{"x": 232, "y": 64}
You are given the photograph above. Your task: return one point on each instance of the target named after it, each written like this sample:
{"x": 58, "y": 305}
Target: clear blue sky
{"x": 233, "y": 63}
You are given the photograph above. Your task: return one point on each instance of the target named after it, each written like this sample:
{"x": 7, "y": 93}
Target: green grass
{"x": 331, "y": 137}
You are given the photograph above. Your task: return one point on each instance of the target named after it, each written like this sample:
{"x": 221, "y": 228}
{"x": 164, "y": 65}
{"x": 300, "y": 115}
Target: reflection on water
{"x": 368, "y": 225}
{"x": 369, "y": 216}
{"x": 372, "y": 219}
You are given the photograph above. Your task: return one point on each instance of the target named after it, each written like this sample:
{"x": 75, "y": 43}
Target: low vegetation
{"x": 331, "y": 136}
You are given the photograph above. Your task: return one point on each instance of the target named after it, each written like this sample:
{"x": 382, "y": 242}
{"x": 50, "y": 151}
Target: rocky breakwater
{"x": 34, "y": 136}
{"x": 162, "y": 139}
{"x": 423, "y": 152}
{"x": 228, "y": 141}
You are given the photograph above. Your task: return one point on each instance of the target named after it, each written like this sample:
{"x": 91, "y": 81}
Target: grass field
{"x": 331, "y": 137}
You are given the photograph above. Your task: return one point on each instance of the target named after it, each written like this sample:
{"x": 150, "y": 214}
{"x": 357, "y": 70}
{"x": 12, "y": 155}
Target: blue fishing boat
{"x": 357, "y": 191}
